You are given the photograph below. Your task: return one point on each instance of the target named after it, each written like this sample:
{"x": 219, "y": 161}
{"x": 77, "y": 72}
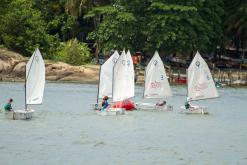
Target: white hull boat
{"x": 195, "y": 109}
{"x": 156, "y": 86}
{"x": 113, "y": 112}
{"x": 150, "y": 106}
{"x": 20, "y": 114}
{"x": 105, "y": 80}
{"x": 200, "y": 85}
{"x": 34, "y": 87}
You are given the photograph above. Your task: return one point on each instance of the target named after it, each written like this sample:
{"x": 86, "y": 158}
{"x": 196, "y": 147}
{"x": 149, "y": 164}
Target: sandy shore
{"x": 12, "y": 68}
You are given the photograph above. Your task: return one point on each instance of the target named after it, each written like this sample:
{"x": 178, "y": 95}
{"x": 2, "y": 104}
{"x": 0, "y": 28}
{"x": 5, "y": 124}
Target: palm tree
{"x": 236, "y": 23}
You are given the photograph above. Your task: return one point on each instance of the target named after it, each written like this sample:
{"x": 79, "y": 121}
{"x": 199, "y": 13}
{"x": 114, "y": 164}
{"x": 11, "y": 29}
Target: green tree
{"x": 4, "y": 7}
{"x": 59, "y": 22}
{"x": 24, "y": 30}
{"x": 235, "y": 22}
{"x": 172, "y": 25}
{"x": 74, "y": 52}
{"x": 115, "y": 29}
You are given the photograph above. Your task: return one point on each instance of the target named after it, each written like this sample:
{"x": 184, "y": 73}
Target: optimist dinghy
{"x": 200, "y": 85}
{"x": 34, "y": 87}
{"x": 123, "y": 82}
{"x": 156, "y": 85}
{"x": 105, "y": 79}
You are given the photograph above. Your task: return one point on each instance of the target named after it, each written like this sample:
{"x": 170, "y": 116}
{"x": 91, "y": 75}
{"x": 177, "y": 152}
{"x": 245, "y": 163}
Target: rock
{"x": 19, "y": 69}
{"x": 12, "y": 66}
{"x": 4, "y": 67}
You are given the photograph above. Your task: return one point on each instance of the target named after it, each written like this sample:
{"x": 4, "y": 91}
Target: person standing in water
{"x": 105, "y": 103}
{"x": 8, "y": 106}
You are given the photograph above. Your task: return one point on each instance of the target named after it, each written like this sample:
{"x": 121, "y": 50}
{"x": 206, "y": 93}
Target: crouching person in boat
{"x": 104, "y": 104}
{"x": 187, "y": 104}
{"x": 161, "y": 103}
{"x": 8, "y": 106}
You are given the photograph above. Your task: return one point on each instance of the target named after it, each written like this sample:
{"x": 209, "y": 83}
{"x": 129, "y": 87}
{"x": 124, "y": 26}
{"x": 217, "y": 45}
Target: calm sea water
{"x": 66, "y": 131}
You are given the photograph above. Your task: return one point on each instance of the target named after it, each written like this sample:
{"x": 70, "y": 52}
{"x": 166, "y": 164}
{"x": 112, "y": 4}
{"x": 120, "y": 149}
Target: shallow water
{"x": 65, "y": 130}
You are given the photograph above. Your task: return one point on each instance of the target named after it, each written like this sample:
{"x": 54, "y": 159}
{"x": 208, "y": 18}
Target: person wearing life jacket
{"x": 8, "y": 106}
{"x": 105, "y": 103}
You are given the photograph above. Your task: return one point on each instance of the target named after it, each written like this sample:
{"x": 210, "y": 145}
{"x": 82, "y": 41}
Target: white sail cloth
{"x": 199, "y": 80}
{"x": 106, "y": 76}
{"x": 35, "y": 78}
{"x": 123, "y": 78}
{"x": 156, "y": 83}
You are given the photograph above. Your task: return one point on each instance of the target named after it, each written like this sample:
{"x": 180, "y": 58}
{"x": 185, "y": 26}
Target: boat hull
{"x": 150, "y": 106}
{"x": 20, "y": 114}
{"x": 195, "y": 110}
{"x": 113, "y": 112}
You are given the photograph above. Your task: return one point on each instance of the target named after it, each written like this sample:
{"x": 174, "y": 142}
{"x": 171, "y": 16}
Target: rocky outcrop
{"x": 12, "y": 67}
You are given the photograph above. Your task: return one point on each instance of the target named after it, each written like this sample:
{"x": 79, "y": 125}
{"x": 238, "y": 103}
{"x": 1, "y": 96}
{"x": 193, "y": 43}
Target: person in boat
{"x": 161, "y": 103}
{"x": 187, "y": 103}
{"x": 8, "y": 106}
{"x": 105, "y": 103}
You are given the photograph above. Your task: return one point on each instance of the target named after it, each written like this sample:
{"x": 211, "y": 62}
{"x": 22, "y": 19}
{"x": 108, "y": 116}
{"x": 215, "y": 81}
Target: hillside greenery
{"x": 81, "y": 29}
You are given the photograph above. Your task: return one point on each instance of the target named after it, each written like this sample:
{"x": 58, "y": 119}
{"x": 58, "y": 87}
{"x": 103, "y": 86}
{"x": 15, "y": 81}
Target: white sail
{"x": 35, "y": 78}
{"x": 199, "y": 80}
{"x": 156, "y": 83}
{"x": 123, "y": 78}
{"x": 106, "y": 76}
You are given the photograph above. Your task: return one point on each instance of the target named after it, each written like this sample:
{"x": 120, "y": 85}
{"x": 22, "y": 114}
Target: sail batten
{"x": 156, "y": 82}
{"x": 200, "y": 81}
{"x": 35, "y": 78}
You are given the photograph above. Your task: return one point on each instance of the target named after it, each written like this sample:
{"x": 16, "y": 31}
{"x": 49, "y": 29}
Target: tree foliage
{"x": 24, "y": 29}
{"x": 235, "y": 22}
{"x": 140, "y": 25}
{"x": 74, "y": 52}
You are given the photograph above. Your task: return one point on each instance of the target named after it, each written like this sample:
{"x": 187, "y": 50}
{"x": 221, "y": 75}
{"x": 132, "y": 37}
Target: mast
{"x": 113, "y": 78}
{"x": 187, "y": 83}
{"x": 25, "y": 86}
{"x": 144, "y": 81}
{"x": 98, "y": 86}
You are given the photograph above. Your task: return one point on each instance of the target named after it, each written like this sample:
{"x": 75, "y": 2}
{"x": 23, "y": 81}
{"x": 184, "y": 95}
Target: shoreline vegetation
{"x": 12, "y": 69}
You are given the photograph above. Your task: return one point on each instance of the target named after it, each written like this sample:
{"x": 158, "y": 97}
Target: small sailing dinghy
{"x": 123, "y": 82}
{"x": 200, "y": 85}
{"x": 105, "y": 79}
{"x": 34, "y": 87}
{"x": 156, "y": 85}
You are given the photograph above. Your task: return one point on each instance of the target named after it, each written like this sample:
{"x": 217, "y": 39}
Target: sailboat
{"x": 123, "y": 82}
{"x": 105, "y": 78}
{"x": 156, "y": 85}
{"x": 200, "y": 85}
{"x": 34, "y": 86}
